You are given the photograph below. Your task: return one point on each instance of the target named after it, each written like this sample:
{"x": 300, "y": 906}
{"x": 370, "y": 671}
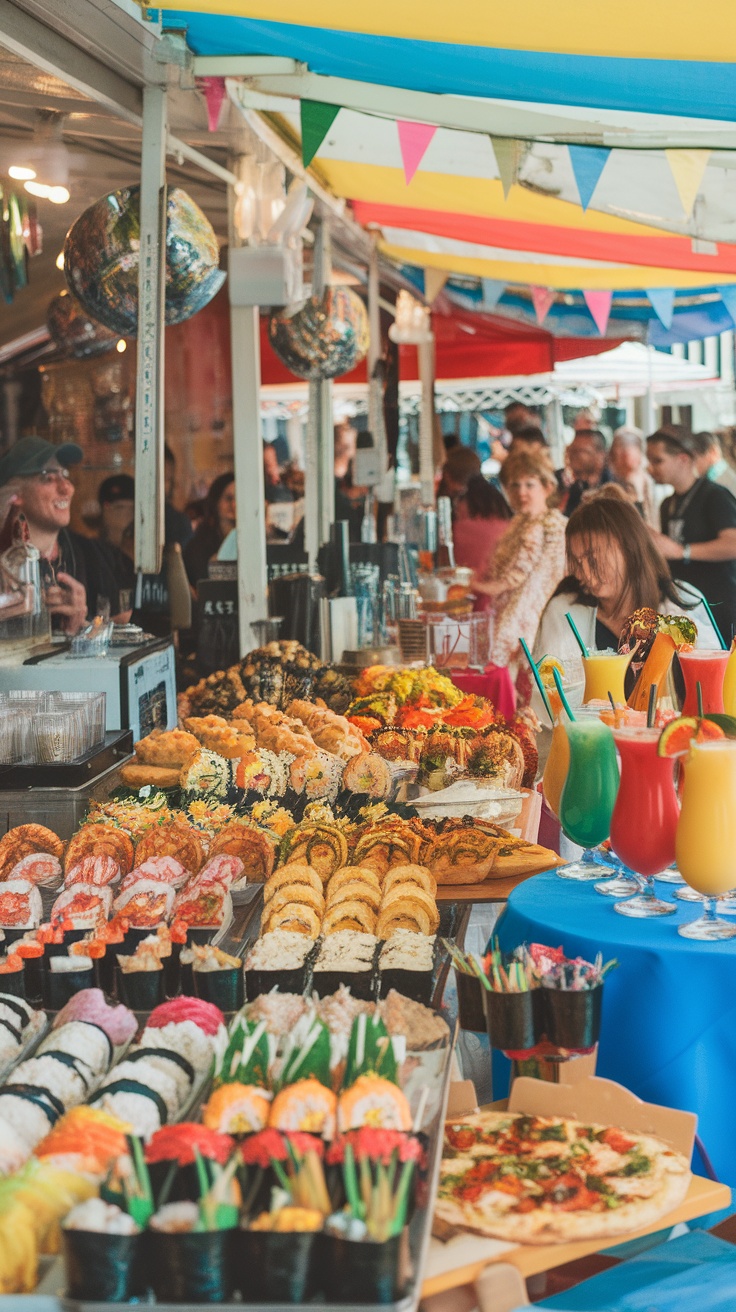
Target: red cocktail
{"x": 644, "y": 820}
{"x": 707, "y": 668}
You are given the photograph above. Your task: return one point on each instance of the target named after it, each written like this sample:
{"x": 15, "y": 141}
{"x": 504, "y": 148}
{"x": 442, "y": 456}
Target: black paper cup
{"x": 286, "y": 981}
{"x": 361, "y": 1271}
{"x": 275, "y": 1267}
{"x": 172, "y": 971}
{"x": 511, "y": 1020}
{"x": 224, "y": 988}
{"x": 416, "y": 984}
{"x": 471, "y": 1013}
{"x": 572, "y": 1018}
{"x": 14, "y": 981}
{"x": 59, "y": 987}
{"x": 102, "y": 1268}
{"x": 141, "y": 990}
{"x": 191, "y": 1268}
{"x": 33, "y": 973}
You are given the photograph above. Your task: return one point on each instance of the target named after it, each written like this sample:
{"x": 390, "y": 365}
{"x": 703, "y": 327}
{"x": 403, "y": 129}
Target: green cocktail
{"x": 589, "y": 794}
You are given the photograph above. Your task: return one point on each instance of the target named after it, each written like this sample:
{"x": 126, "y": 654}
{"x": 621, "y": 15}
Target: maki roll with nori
{"x": 185, "y": 1263}
{"x": 64, "y": 977}
{"x": 278, "y": 959}
{"x": 102, "y": 1251}
{"x": 170, "y": 1157}
{"x": 141, "y": 1106}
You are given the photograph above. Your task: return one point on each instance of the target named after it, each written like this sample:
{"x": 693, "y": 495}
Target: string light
{"x": 60, "y": 260}
{"x": 21, "y": 173}
{"x": 121, "y": 346}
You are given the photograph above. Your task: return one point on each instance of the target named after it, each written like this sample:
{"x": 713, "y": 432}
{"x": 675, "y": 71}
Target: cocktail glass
{"x": 605, "y": 672}
{"x": 706, "y": 833}
{"x": 707, "y": 668}
{"x": 555, "y": 770}
{"x": 670, "y": 876}
{"x": 644, "y": 820}
{"x": 588, "y": 795}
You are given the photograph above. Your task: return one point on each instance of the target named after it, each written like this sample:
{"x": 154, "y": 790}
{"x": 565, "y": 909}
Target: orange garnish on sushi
{"x": 305, "y": 1105}
{"x": 373, "y": 1101}
{"x": 237, "y": 1109}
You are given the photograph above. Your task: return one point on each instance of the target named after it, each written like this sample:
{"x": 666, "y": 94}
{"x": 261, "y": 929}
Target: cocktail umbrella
{"x": 323, "y": 338}
{"x": 101, "y": 259}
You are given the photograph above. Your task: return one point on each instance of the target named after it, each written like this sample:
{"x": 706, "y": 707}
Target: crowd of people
{"x": 594, "y": 537}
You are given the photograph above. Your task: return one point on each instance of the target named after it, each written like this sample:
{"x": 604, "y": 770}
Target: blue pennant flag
{"x": 588, "y": 162}
{"x": 663, "y": 304}
{"x": 492, "y": 292}
{"x": 728, "y": 296}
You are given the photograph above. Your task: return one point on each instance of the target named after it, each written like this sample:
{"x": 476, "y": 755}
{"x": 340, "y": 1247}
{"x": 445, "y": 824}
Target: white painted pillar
{"x": 320, "y": 446}
{"x": 149, "y": 399}
{"x": 250, "y": 496}
{"x": 425, "y": 352}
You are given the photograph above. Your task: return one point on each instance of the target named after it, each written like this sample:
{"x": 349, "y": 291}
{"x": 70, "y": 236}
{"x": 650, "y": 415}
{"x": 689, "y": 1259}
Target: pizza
{"x": 548, "y": 1179}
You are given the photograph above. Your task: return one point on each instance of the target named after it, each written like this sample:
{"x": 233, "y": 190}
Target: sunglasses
{"x": 51, "y": 475}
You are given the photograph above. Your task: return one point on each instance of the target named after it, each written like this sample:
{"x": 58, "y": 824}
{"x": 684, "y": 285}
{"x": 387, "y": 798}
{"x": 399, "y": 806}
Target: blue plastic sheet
{"x": 696, "y": 1273}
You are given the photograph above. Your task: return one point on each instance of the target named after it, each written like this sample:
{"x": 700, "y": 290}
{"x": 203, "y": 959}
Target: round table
{"x": 669, "y": 1010}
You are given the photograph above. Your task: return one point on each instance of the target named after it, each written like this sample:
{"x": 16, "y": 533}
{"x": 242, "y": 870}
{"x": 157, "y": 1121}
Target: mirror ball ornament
{"x": 323, "y": 338}
{"x": 101, "y": 259}
{"x": 74, "y": 331}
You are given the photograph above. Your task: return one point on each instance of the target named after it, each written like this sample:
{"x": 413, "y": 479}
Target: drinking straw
{"x": 611, "y": 700}
{"x": 561, "y": 693}
{"x": 699, "y": 691}
{"x": 578, "y": 639}
{"x": 652, "y": 708}
{"x": 537, "y": 680}
{"x": 719, "y": 635}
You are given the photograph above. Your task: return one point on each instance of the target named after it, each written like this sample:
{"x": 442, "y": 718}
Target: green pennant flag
{"x": 317, "y": 119}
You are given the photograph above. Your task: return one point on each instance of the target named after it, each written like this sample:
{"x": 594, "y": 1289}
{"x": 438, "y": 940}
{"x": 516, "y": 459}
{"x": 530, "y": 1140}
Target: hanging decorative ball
{"x": 74, "y": 331}
{"x": 101, "y": 254}
{"x": 323, "y": 338}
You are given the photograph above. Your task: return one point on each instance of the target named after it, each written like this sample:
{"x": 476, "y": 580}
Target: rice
{"x": 63, "y": 1081}
{"x": 152, "y": 1077}
{"x": 136, "y": 1109}
{"x": 100, "y": 1218}
{"x": 405, "y": 950}
{"x": 280, "y": 1011}
{"x": 11, "y": 1004}
{"x": 83, "y": 1040}
{"x": 347, "y": 950}
{"x": 279, "y": 949}
{"x": 14, "y": 1150}
{"x": 28, "y": 1119}
{"x": 185, "y": 1037}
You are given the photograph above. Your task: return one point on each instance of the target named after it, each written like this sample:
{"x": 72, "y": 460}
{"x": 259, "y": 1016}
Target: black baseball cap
{"x": 120, "y": 487}
{"x": 31, "y": 454}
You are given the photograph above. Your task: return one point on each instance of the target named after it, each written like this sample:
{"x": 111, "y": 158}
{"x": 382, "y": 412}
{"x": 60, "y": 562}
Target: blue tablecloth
{"x": 669, "y": 1011}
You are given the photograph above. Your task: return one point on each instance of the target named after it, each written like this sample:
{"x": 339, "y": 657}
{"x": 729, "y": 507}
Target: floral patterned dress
{"x": 530, "y": 562}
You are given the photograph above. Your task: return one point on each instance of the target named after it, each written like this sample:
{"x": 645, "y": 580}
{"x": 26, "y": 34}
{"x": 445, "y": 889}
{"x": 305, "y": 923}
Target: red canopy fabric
{"x": 467, "y": 346}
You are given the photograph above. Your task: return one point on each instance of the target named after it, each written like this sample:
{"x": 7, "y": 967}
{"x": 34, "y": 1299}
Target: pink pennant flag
{"x": 599, "y": 304}
{"x": 214, "y": 94}
{"x": 542, "y": 300}
{"x": 414, "y": 139}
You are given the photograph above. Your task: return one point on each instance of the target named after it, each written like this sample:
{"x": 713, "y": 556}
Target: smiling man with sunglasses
{"x": 34, "y": 474}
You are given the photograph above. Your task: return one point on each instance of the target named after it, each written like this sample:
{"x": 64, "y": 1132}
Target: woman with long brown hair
{"x": 614, "y": 568}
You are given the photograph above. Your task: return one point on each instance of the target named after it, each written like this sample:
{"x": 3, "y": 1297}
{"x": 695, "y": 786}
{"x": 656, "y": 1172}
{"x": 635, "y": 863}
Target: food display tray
{"x": 49, "y": 1295}
{"x": 117, "y": 747}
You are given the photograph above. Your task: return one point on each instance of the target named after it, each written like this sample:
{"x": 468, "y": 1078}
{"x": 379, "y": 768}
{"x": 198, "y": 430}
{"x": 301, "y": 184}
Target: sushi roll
{"x": 221, "y": 870}
{"x": 65, "y": 977}
{"x": 30, "y": 1116}
{"x": 171, "y": 1063}
{"x": 145, "y": 903}
{"x": 38, "y": 868}
{"x": 91, "y": 1005}
{"x": 207, "y": 775}
{"x": 204, "y": 1014}
{"x": 237, "y": 1109}
{"x": 305, "y": 1105}
{"x": 85, "y": 1140}
{"x": 204, "y": 908}
{"x": 83, "y": 1040}
{"x": 64, "y": 1076}
{"x": 95, "y": 871}
{"x": 317, "y": 774}
{"x": 12, "y": 974}
{"x": 85, "y": 905}
{"x": 370, "y": 775}
{"x": 373, "y": 1101}
{"x": 162, "y": 869}
{"x": 20, "y": 904}
{"x": 14, "y": 1149}
{"x": 185, "y": 1038}
{"x": 154, "y": 1077}
{"x": 131, "y": 1101}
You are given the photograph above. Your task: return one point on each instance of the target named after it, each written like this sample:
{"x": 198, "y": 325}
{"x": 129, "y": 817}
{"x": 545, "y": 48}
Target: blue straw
{"x": 563, "y": 698}
{"x": 719, "y": 635}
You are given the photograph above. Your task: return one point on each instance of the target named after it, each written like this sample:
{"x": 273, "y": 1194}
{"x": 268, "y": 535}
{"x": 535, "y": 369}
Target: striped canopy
{"x": 654, "y": 81}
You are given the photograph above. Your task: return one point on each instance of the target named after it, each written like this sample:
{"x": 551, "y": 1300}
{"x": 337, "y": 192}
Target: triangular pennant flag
{"x": 316, "y": 119}
{"x": 599, "y": 304}
{"x": 688, "y": 167}
{"x": 414, "y": 139}
{"x": 663, "y": 303}
{"x": 509, "y": 154}
{"x": 492, "y": 292}
{"x": 542, "y": 299}
{"x": 214, "y": 94}
{"x": 588, "y": 162}
{"x": 434, "y": 281}
{"x": 728, "y": 296}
